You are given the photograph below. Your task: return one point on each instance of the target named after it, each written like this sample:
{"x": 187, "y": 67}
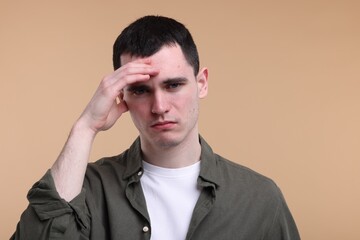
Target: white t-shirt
{"x": 171, "y": 195}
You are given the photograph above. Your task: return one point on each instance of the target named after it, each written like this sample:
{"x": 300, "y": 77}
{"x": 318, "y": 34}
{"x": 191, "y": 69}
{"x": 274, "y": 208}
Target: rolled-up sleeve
{"x": 48, "y": 216}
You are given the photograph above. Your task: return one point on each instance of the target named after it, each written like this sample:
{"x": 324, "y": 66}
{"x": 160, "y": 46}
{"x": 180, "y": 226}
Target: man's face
{"x": 165, "y": 108}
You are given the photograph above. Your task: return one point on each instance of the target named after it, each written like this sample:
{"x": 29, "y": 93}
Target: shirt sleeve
{"x": 48, "y": 216}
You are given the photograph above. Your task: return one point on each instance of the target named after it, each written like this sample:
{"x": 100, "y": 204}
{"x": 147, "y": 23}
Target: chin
{"x": 168, "y": 144}
{"x": 165, "y": 140}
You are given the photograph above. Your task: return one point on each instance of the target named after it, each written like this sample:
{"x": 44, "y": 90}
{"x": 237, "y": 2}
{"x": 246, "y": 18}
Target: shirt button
{"x": 145, "y": 229}
{"x": 139, "y": 173}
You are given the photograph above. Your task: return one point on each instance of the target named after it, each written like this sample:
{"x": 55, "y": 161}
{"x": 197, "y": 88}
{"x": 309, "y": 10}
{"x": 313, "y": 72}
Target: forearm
{"x": 101, "y": 113}
{"x": 69, "y": 169}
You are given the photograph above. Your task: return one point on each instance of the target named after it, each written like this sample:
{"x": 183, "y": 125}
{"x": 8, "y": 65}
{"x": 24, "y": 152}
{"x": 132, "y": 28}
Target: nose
{"x": 160, "y": 103}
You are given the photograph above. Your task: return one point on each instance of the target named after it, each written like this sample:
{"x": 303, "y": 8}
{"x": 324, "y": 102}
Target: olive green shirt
{"x": 235, "y": 203}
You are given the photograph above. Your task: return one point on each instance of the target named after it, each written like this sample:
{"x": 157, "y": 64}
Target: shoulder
{"x": 232, "y": 177}
{"x": 240, "y": 172}
{"x": 126, "y": 163}
{"x": 240, "y": 179}
{"x": 106, "y": 169}
{"x": 116, "y": 168}
{"x": 107, "y": 162}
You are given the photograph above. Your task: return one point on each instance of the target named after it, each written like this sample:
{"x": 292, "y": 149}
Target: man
{"x": 168, "y": 184}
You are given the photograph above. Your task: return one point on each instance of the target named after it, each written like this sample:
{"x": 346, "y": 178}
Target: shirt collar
{"x": 209, "y": 173}
{"x": 133, "y": 158}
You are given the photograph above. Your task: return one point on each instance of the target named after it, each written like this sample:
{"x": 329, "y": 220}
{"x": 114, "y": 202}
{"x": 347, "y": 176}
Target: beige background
{"x": 284, "y": 94}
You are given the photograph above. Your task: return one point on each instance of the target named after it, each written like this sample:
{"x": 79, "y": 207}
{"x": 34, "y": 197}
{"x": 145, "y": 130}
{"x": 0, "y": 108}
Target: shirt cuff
{"x": 47, "y": 203}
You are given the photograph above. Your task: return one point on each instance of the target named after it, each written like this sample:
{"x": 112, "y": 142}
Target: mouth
{"x": 163, "y": 125}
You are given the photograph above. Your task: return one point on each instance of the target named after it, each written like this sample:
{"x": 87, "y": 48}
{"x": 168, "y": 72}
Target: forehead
{"x": 167, "y": 59}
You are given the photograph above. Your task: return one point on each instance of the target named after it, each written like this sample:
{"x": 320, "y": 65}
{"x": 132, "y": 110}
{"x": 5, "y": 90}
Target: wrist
{"x": 81, "y": 128}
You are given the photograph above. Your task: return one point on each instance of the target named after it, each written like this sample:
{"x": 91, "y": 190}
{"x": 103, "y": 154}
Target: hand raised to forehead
{"x": 103, "y": 110}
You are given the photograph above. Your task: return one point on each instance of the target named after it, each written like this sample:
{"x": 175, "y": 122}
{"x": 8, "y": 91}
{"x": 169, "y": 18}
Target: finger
{"x": 120, "y": 82}
{"x": 135, "y": 68}
{"x": 135, "y": 62}
{"x": 130, "y": 74}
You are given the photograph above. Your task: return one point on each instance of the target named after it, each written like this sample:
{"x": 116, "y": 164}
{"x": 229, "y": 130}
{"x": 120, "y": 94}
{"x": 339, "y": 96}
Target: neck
{"x": 180, "y": 155}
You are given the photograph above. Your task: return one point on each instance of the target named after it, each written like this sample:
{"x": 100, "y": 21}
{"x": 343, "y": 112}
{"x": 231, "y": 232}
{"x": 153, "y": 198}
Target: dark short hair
{"x": 149, "y": 34}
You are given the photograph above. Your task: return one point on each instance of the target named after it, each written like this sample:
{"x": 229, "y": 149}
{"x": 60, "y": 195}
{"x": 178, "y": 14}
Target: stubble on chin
{"x": 164, "y": 142}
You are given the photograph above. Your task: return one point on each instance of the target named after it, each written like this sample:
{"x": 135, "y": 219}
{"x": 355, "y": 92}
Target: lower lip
{"x": 165, "y": 126}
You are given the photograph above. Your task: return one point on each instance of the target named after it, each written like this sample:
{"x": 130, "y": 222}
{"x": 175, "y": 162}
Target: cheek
{"x": 137, "y": 110}
{"x": 191, "y": 105}
{"x": 134, "y": 104}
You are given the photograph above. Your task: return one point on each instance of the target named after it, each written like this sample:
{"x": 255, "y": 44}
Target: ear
{"x": 202, "y": 82}
{"x": 120, "y": 97}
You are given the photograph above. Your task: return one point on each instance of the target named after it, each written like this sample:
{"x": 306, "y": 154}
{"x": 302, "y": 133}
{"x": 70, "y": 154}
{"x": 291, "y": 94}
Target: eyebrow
{"x": 175, "y": 80}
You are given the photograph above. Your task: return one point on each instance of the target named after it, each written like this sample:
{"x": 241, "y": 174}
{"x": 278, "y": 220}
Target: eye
{"x": 173, "y": 86}
{"x": 137, "y": 91}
